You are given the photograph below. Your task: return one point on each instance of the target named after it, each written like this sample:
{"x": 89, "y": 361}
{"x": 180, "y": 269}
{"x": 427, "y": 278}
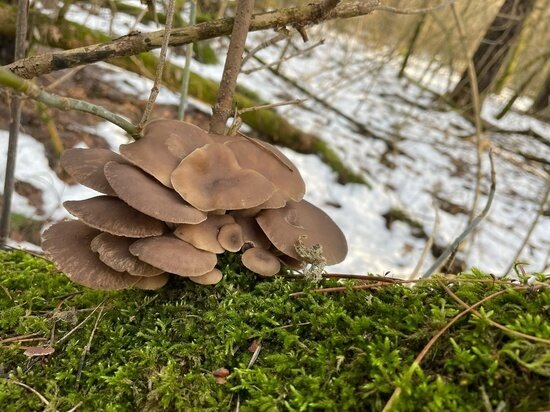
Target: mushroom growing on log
{"x": 175, "y": 199}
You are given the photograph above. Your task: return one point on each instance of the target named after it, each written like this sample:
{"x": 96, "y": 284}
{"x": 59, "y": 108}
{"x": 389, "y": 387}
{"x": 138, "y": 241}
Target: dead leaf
{"x": 221, "y": 373}
{"x": 254, "y": 346}
{"x": 32, "y": 351}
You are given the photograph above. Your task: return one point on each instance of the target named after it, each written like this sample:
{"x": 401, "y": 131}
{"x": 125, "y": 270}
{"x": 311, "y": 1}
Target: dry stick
{"x": 160, "y": 68}
{"x": 87, "y": 347}
{"x": 284, "y": 58}
{"x": 73, "y": 330}
{"x": 473, "y": 224}
{"x": 9, "y": 182}
{"x": 136, "y": 43}
{"x": 184, "y": 89}
{"x": 10, "y": 80}
{"x": 492, "y": 322}
{"x": 428, "y": 245}
{"x": 224, "y": 101}
{"x": 284, "y": 34}
{"x": 544, "y": 199}
{"x": 40, "y": 396}
{"x": 340, "y": 289}
{"x": 416, "y": 363}
{"x": 477, "y": 109}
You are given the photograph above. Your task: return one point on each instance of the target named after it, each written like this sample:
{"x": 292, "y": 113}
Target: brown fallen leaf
{"x": 32, "y": 351}
{"x": 221, "y": 373}
{"x": 254, "y": 345}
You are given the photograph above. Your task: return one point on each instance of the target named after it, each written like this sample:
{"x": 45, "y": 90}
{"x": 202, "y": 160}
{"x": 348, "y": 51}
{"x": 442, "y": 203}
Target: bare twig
{"x": 397, "y": 10}
{"x": 10, "y": 80}
{"x": 540, "y": 211}
{"x": 284, "y": 33}
{"x": 87, "y": 347}
{"x": 428, "y": 245}
{"x": 416, "y": 363}
{"x": 73, "y": 330}
{"x": 473, "y": 224}
{"x": 184, "y": 89}
{"x": 24, "y": 385}
{"x": 15, "y": 122}
{"x": 223, "y": 107}
{"x": 136, "y": 43}
{"x": 160, "y": 68}
{"x": 271, "y": 105}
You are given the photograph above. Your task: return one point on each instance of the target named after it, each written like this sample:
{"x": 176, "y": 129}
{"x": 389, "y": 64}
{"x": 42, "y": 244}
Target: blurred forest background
{"x": 389, "y": 105}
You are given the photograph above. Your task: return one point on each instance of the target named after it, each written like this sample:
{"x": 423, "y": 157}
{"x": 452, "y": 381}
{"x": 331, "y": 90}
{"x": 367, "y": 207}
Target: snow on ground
{"x": 435, "y": 157}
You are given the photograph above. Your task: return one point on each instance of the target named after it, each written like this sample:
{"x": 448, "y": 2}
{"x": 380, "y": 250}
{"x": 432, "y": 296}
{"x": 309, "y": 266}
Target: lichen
{"x": 334, "y": 352}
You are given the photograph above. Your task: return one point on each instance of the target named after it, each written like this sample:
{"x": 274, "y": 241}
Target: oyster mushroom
{"x": 210, "y": 178}
{"x": 301, "y": 220}
{"x": 231, "y": 237}
{"x": 204, "y": 235}
{"x": 110, "y": 214}
{"x": 210, "y": 278}
{"x": 261, "y": 261}
{"x": 145, "y": 194}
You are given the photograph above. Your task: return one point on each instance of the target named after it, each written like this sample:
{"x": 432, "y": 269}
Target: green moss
{"x": 345, "y": 351}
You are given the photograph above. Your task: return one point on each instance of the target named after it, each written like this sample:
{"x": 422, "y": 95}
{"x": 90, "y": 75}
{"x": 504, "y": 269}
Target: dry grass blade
{"x": 23, "y": 385}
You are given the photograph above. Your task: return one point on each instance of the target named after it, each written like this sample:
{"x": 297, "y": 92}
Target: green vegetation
{"x": 338, "y": 351}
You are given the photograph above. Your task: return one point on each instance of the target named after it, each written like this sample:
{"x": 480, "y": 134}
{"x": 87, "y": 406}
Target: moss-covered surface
{"x": 340, "y": 351}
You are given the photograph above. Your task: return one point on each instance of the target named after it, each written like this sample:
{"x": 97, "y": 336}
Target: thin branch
{"x": 160, "y": 68}
{"x": 24, "y": 385}
{"x": 136, "y": 43}
{"x": 184, "y": 89}
{"x": 87, "y": 347}
{"x": 15, "y": 123}
{"x": 416, "y": 363}
{"x": 10, "y": 80}
{"x": 540, "y": 211}
{"x": 428, "y": 245}
{"x": 283, "y": 34}
{"x": 271, "y": 105}
{"x": 223, "y": 107}
{"x": 396, "y": 10}
{"x": 473, "y": 224}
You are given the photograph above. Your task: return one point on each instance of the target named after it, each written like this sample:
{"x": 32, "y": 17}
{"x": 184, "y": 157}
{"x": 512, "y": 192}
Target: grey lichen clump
{"x": 175, "y": 199}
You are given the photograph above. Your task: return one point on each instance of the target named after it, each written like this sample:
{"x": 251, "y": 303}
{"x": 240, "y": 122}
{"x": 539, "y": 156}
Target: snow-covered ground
{"x": 435, "y": 155}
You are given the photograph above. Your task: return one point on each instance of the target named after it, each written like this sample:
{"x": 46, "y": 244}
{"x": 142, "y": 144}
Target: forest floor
{"x": 412, "y": 148}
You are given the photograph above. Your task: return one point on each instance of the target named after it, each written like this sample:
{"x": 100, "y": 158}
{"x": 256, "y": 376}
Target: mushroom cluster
{"x": 175, "y": 199}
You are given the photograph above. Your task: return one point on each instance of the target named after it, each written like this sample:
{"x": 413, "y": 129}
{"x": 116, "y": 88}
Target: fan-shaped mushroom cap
{"x": 173, "y": 255}
{"x": 86, "y": 167}
{"x": 210, "y": 178}
{"x": 210, "y": 278}
{"x": 204, "y": 236}
{"x": 151, "y": 153}
{"x": 271, "y": 163}
{"x": 114, "y": 252}
{"x": 261, "y": 261}
{"x": 145, "y": 194}
{"x": 112, "y": 215}
{"x": 252, "y": 233}
{"x": 184, "y": 137}
{"x": 152, "y": 282}
{"x": 285, "y": 226}
{"x": 231, "y": 237}
{"x": 67, "y": 243}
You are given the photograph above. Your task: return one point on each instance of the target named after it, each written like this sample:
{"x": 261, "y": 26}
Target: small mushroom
{"x": 152, "y": 282}
{"x": 86, "y": 167}
{"x": 231, "y": 237}
{"x": 114, "y": 252}
{"x": 210, "y": 278}
{"x": 174, "y": 255}
{"x": 110, "y": 214}
{"x": 144, "y": 193}
{"x": 67, "y": 243}
{"x": 261, "y": 261}
{"x": 252, "y": 233}
{"x": 273, "y": 165}
{"x": 204, "y": 236}
{"x": 301, "y": 220}
{"x": 210, "y": 178}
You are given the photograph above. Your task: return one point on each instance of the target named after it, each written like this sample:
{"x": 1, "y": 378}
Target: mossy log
{"x": 271, "y": 126}
{"x": 135, "y": 350}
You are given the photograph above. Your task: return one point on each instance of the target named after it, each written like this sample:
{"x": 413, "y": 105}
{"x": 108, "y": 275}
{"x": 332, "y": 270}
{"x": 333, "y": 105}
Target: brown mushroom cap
{"x": 114, "y": 252}
{"x": 261, "y": 261}
{"x": 110, "y": 214}
{"x": 67, "y": 243}
{"x": 210, "y": 178}
{"x": 231, "y": 237}
{"x": 204, "y": 236}
{"x": 152, "y": 282}
{"x": 86, "y": 167}
{"x": 184, "y": 137}
{"x": 252, "y": 233}
{"x": 285, "y": 226}
{"x": 174, "y": 255}
{"x": 210, "y": 278}
{"x": 271, "y": 163}
{"x": 144, "y": 193}
{"x": 151, "y": 153}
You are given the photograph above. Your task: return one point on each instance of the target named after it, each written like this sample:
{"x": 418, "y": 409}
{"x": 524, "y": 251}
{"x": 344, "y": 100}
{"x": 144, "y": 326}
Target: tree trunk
{"x": 493, "y": 49}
